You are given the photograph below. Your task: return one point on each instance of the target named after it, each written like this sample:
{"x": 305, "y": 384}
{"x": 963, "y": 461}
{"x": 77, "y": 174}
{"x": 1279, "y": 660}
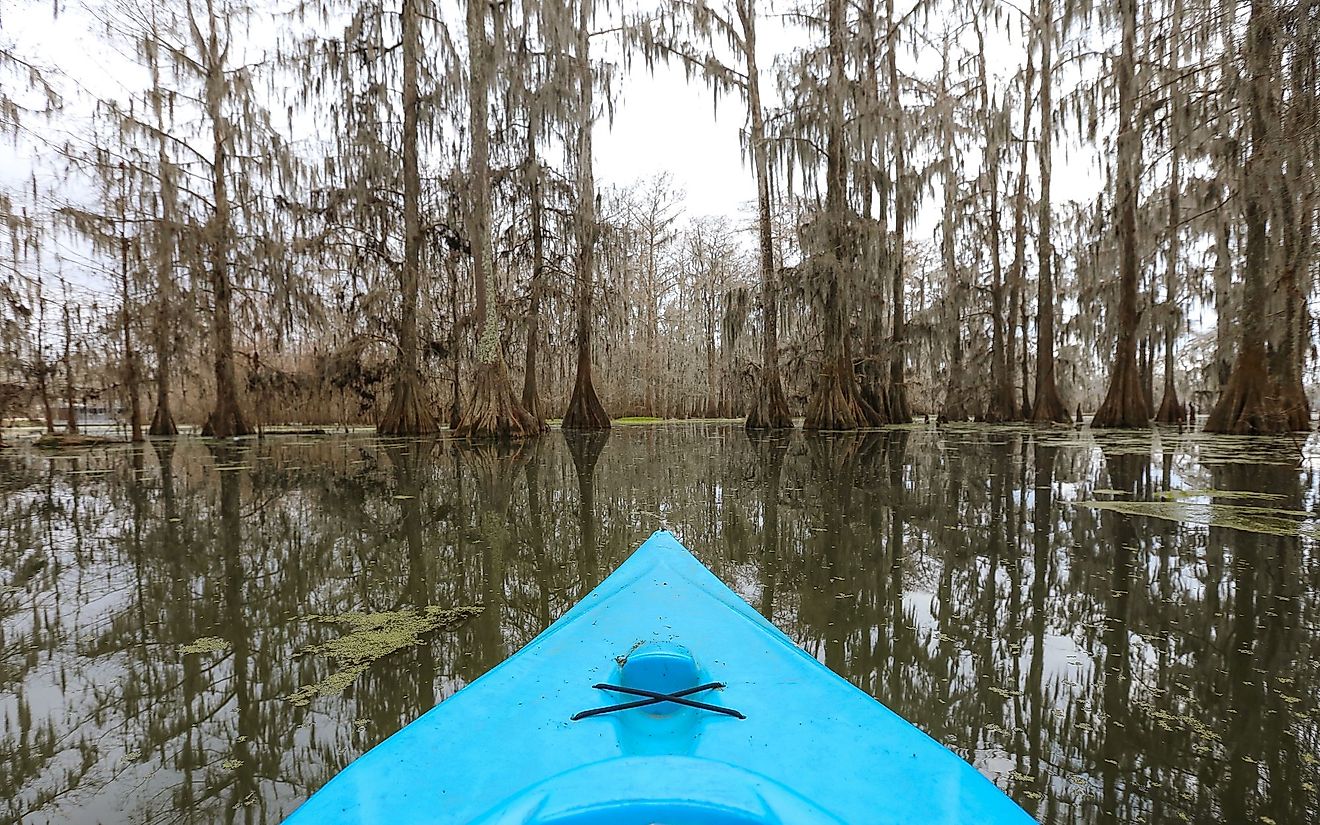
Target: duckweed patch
{"x": 372, "y": 636}
{"x": 206, "y": 644}
{"x": 1268, "y": 520}
{"x": 1231, "y": 495}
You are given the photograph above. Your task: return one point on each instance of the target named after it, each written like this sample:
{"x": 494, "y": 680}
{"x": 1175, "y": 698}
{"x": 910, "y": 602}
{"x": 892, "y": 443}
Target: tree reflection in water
{"x": 1099, "y": 666}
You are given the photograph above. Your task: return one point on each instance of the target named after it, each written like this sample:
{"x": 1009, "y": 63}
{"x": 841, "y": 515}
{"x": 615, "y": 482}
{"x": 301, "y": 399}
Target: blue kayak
{"x": 661, "y": 697}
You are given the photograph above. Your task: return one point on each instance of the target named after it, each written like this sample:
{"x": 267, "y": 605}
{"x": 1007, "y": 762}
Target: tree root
{"x": 494, "y": 411}
{"x": 837, "y": 403}
{"x": 1248, "y": 404}
{"x": 226, "y": 421}
{"x": 162, "y": 423}
{"x": 409, "y": 410}
{"x": 770, "y": 408}
{"x": 1125, "y": 401}
{"x": 1049, "y": 408}
{"x": 1171, "y": 410}
{"x": 585, "y": 412}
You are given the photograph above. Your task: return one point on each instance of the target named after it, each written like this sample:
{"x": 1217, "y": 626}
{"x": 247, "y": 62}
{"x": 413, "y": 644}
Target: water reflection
{"x": 1100, "y": 666}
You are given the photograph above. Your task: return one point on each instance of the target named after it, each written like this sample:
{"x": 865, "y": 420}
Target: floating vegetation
{"x": 1231, "y": 495}
{"x": 206, "y": 644}
{"x": 373, "y": 636}
{"x": 1268, "y": 520}
{"x": 58, "y": 441}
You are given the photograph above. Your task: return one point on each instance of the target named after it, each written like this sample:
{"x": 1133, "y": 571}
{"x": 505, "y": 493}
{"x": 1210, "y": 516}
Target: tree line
{"x": 389, "y": 213}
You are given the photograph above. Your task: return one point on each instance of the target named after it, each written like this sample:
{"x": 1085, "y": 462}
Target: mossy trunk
{"x": 130, "y": 367}
{"x": 1017, "y": 305}
{"x": 898, "y": 411}
{"x": 409, "y": 410}
{"x": 1171, "y": 410}
{"x": 1001, "y": 397}
{"x": 1249, "y": 403}
{"x": 493, "y": 410}
{"x": 769, "y": 409}
{"x": 226, "y": 419}
{"x": 1125, "y": 402}
{"x": 585, "y": 411}
{"x": 1049, "y": 406}
{"x": 70, "y": 402}
{"x": 531, "y": 397}
{"x": 836, "y": 403}
{"x": 162, "y": 419}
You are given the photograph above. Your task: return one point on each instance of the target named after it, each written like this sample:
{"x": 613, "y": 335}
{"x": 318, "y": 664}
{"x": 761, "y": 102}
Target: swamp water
{"x": 1114, "y": 627}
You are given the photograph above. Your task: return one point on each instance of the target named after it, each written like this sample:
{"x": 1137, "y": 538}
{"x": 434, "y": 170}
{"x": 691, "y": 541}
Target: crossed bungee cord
{"x": 654, "y": 698}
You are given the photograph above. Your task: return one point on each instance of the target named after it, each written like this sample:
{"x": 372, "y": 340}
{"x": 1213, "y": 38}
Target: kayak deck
{"x": 690, "y": 708}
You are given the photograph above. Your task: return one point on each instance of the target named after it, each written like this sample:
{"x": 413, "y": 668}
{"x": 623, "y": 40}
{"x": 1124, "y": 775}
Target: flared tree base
{"x": 770, "y": 408}
{"x": 1124, "y": 406}
{"x": 837, "y": 403}
{"x": 1049, "y": 408}
{"x": 162, "y": 423}
{"x": 226, "y": 421}
{"x": 585, "y": 412}
{"x": 1247, "y": 404}
{"x": 1253, "y": 404}
{"x": 1000, "y": 408}
{"x": 409, "y": 410}
{"x": 494, "y": 411}
{"x": 1171, "y": 410}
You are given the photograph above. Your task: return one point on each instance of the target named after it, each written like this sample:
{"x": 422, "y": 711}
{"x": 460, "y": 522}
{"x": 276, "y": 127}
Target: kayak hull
{"x": 774, "y": 736}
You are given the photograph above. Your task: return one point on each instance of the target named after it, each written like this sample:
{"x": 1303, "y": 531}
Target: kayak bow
{"x": 661, "y": 697}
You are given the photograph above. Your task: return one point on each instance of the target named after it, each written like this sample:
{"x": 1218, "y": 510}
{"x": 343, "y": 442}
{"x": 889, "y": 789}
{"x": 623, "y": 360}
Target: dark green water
{"x": 1136, "y": 662}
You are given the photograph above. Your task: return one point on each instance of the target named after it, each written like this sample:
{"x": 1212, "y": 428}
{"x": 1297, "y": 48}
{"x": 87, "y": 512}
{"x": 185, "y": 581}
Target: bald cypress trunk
{"x": 1293, "y": 214}
{"x": 531, "y": 398}
{"x": 584, "y": 408}
{"x": 836, "y": 403}
{"x": 1001, "y": 394}
{"x": 227, "y": 418}
{"x": 1249, "y": 403}
{"x": 769, "y": 406}
{"x": 130, "y": 370}
{"x": 70, "y": 400}
{"x": 900, "y": 411}
{"x": 1017, "y": 305}
{"x": 493, "y": 411}
{"x": 1125, "y": 402}
{"x": 1171, "y": 409}
{"x": 1049, "y": 407}
{"x": 162, "y": 420}
{"x": 409, "y": 411}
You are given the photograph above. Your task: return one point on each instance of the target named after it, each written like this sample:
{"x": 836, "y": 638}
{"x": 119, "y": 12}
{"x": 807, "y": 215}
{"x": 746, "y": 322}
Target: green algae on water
{"x": 1268, "y": 520}
{"x": 373, "y": 636}
{"x": 1243, "y": 495}
{"x": 206, "y": 644}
